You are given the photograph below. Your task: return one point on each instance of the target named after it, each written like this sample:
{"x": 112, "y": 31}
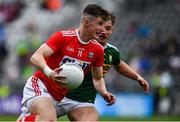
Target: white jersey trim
{"x": 82, "y": 42}
{"x": 110, "y": 45}
{"x": 69, "y": 33}
{"x": 96, "y": 42}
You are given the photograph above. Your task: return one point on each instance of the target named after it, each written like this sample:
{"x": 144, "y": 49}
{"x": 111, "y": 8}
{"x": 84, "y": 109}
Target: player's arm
{"x": 38, "y": 60}
{"x": 99, "y": 84}
{"x": 127, "y": 71}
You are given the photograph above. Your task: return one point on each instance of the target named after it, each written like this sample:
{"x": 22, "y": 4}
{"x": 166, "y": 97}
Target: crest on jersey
{"x": 110, "y": 58}
{"x": 90, "y": 55}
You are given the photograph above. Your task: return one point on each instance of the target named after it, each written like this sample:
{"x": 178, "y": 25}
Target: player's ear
{"x": 86, "y": 21}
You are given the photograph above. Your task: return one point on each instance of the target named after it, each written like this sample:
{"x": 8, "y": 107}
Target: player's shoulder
{"x": 96, "y": 43}
{"x": 69, "y": 32}
{"x": 112, "y": 47}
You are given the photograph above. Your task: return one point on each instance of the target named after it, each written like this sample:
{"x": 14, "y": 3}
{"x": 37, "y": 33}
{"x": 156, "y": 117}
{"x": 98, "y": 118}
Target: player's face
{"x": 96, "y": 25}
{"x": 103, "y": 36}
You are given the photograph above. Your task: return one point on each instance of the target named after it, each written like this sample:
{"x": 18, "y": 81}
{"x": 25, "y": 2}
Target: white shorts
{"x": 66, "y": 105}
{"x": 35, "y": 88}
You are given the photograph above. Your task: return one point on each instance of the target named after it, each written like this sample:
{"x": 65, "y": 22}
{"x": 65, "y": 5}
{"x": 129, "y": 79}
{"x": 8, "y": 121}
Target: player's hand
{"x": 144, "y": 84}
{"x": 110, "y": 98}
{"x": 57, "y": 77}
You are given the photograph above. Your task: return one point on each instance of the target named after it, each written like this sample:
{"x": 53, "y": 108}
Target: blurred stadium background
{"x": 146, "y": 32}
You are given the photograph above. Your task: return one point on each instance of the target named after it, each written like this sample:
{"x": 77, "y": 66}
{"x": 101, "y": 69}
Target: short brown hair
{"x": 96, "y": 11}
{"x": 112, "y": 17}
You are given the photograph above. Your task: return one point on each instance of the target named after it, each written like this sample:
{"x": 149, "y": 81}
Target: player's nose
{"x": 102, "y": 30}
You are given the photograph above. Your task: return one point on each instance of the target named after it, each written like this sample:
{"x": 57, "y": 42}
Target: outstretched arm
{"x": 127, "y": 71}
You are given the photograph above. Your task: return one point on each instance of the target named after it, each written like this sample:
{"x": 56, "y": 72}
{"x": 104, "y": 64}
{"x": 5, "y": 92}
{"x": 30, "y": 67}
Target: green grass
{"x": 154, "y": 118}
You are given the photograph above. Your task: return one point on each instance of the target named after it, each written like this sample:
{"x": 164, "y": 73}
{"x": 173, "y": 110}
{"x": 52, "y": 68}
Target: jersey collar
{"x": 105, "y": 45}
{"x": 82, "y": 42}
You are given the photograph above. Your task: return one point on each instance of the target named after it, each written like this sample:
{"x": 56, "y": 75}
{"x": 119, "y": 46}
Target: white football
{"x": 74, "y": 74}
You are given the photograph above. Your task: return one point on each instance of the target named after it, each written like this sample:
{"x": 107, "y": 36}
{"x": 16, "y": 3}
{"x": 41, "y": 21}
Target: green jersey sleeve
{"x": 111, "y": 57}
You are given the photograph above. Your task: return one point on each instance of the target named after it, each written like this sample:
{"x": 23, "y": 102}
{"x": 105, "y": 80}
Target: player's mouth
{"x": 101, "y": 36}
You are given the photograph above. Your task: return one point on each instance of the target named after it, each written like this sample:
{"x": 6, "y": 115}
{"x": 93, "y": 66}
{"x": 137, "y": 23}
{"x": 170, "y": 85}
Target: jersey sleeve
{"x": 99, "y": 57}
{"x": 56, "y": 41}
{"x": 116, "y": 57}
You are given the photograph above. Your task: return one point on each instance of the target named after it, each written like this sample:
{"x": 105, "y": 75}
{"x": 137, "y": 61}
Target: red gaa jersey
{"x": 68, "y": 47}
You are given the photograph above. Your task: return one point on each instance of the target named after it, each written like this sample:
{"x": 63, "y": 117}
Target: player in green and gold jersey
{"x": 78, "y": 104}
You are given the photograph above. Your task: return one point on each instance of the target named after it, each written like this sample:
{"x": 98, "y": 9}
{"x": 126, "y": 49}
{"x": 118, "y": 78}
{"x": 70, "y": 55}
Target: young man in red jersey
{"x": 79, "y": 105}
{"x": 43, "y": 91}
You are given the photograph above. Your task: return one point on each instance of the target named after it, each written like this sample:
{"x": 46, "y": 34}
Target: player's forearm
{"x": 98, "y": 80}
{"x": 99, "y": 85}
{"x": 38, "y": 61}
{"x": 127, "y": 71}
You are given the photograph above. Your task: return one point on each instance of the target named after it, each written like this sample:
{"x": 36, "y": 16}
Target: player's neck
{"x": 80, "y": 38}
{"x": 83, "y": 36}
{"x": 103, "y": 44}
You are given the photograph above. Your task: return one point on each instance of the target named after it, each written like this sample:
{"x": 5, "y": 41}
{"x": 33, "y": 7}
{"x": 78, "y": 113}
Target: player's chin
{"x": 102, "y": 40}
{"x": 96, "y": 37}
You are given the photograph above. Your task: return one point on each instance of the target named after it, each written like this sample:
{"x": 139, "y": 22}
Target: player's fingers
{"x": 144, "y": 85}
{"x": 146, "y": 88}
{"x": 58, "y": 69}
{"x": 61, "y": 81}
{"x": 111, "y": 103}
{"x": 112, "y": 99}
{"x": 60, "y": 77}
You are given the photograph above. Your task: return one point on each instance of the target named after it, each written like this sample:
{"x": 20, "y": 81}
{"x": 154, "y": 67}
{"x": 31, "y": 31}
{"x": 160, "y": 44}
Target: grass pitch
{"x": 12, "y": 118}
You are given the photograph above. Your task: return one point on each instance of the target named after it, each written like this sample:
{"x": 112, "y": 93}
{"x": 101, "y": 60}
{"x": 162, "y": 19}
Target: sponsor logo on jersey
{"x": 81, "y": 63}
{"x": 90, "y": 55}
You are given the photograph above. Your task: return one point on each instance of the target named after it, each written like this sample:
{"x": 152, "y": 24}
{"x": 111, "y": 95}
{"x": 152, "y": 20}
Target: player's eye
{"x": 100, "y": 23}
{"x": 108, "y": 28}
